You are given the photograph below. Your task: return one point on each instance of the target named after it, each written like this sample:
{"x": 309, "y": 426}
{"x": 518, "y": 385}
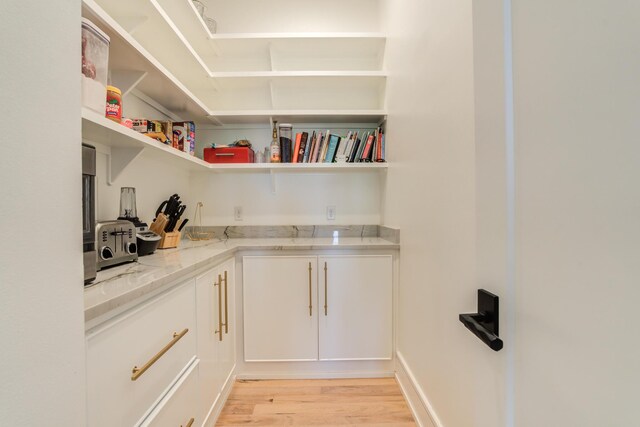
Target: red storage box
{"x": 228, "y": 155}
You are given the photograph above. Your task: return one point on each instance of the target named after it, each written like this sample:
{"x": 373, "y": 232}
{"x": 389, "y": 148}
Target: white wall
{"x": 430, "y": 195}
{"x": 299, "y": 199}
{"x": 41, "y": 273}
{"x": 577, "y": 103}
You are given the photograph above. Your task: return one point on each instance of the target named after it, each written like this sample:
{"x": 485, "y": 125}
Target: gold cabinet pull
{"x": 325, "y": 288}
{"x": 219, "y": 285}
{"x": 137, "y": 372}
{"x": 226, "y": 305}
{"x": 310, "y": 300}
{"x": 190, "y": 423}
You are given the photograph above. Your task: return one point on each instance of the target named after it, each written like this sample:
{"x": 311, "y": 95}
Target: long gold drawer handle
{"x": 219, "y": 285}
{"x": 310, "y": 303}
{"x": 325, "y": 288}
{"x": 190, "y": 423}
{"x": 137, "y": 372}
{"x": 226, "y": 305}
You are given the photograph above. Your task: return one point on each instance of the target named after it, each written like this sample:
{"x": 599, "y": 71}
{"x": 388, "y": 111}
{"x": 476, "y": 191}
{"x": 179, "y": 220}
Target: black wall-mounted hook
{"x": 485, "y": 323}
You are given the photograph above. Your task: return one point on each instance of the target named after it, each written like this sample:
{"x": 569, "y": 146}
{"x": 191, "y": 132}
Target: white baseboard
{"x": 312, "y": 375}
{"x": 422, "y": 410}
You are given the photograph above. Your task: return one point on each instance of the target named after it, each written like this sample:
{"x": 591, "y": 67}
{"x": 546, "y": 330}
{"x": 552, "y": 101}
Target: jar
{"x": 114, "y": 104}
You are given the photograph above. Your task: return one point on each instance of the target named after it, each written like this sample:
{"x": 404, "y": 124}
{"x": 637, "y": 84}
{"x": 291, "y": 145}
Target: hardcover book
{"x": 302, "y": 147}
{"x": 308, "y": 149}
{"x": 332, "y": 149}
{"x": 296, "y": 148}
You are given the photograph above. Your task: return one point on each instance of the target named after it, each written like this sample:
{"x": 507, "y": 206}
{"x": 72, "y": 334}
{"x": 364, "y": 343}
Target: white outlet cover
{"x": 237, "y": 213}
{"x": 331, "y": 212}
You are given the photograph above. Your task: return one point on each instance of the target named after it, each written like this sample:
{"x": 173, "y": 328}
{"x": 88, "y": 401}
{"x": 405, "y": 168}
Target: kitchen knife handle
{"x": 162, "y": 205}
{"x": 183, "y": 224}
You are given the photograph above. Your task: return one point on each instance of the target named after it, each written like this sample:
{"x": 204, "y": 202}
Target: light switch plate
{"x": 237, "y": 213}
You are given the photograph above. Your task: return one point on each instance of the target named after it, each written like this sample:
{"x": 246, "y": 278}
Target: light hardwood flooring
{"x": 356, "y": 402}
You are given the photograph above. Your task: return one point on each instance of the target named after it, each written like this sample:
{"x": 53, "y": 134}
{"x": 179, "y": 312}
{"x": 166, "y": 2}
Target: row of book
{"x": 326, "y": 147}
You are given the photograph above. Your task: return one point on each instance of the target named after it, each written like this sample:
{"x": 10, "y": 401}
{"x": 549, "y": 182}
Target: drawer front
{"x": 144, "y": 336}
{"x": 179, "y": 407}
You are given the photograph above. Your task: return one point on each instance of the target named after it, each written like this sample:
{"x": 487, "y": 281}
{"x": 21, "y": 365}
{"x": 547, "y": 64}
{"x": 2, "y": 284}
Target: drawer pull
{"x": 219, "y": 285}
{"x": 325, "y": 288}
{"x": 190, "y": 423}
{"x": 310, "y": 304}
{"x": 226, "y": 305}
{"x": 137, "y": 372}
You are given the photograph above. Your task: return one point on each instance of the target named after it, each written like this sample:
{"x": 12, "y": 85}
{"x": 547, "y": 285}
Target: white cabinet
{"x": 215, "y": 302}
{"x": 178, "y": 408}
{"x": 284, "y": 307}
{"x": 356, "y": 317}
{"x": 134, "y": 359}
{"x": 280, "y": 308}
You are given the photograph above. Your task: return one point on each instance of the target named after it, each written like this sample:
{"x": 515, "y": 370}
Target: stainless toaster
{"x": 115, "y": 243}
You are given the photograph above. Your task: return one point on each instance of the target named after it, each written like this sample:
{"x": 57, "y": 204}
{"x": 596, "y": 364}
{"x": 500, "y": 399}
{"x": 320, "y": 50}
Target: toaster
{"x": 115, "y": 243}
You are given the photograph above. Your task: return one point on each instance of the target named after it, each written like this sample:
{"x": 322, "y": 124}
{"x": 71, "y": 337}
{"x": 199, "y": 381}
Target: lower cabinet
{"x": 166, "y": 361}
{"x": 317, "y": 307}
{"x": 215, "y": 309}
{"x": 133, "y": 359}
{"x": 280, "y": 308}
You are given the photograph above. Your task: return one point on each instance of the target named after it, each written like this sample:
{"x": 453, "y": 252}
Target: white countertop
{"x": 118, "y": 286}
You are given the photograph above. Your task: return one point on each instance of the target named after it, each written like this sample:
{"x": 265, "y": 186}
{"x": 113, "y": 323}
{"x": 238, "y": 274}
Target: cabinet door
{"x": 280, "y": 308}
{"x": 207, "y": 286}
{"x": 227, "y": 347}
{"x": 357, "y": 292}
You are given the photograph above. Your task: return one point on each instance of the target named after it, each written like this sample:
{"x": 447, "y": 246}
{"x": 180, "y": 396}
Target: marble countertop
{"x": 120, "y": 285}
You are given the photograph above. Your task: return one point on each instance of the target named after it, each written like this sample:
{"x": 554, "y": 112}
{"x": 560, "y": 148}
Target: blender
{"x": 146, "y": 239}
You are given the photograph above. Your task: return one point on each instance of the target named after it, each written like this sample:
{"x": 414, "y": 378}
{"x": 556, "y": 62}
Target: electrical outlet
{"x": 237, "y": 213}
{"x": 331, "y": 212}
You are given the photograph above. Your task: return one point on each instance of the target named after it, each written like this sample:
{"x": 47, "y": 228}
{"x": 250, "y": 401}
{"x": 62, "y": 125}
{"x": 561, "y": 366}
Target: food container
{"x": 113, "y": 109}
{"x": 95, "y": 63}
{"x": 228, "y": 155}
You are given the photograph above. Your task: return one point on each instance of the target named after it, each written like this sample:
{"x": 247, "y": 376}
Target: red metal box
{"x": 228, "y": 155}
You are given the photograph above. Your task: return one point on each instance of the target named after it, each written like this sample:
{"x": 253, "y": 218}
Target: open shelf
{"x": 298, "y": 167}
{"x": 243, "y": 117}
{"x": 133, "y": 67}
{"x": 126, "y": 144}
{"x": 313, "y": 71}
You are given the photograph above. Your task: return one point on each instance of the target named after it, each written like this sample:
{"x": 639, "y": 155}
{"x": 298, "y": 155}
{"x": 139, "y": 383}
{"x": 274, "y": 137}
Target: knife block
{"x": 168, "y": 240}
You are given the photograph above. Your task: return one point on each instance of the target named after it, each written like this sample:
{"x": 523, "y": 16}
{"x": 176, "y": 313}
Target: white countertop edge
{"x": 117, "y": 287}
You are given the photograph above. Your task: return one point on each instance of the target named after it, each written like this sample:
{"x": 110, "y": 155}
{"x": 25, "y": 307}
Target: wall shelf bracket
{"x": 485, "y": 323}
{"x": 119, "y": 159}
{"x": 127, "y": 80}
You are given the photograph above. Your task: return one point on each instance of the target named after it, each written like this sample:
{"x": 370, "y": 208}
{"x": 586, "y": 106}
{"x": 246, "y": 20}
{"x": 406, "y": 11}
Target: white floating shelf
{"x": 372, "y": 117}
{"x": 126, "y": 145}
{"x": 298, "y": 167}
{"x": 295, "y": 35}
{"x": 128, "y": 57}
{"x": 295, "y": 74}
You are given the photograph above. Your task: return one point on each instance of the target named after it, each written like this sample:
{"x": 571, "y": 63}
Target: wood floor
{"x": 356, "y": 402}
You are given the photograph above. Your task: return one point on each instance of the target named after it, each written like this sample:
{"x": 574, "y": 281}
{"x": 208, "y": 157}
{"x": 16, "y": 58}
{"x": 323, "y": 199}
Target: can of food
{"x": 114, "y": 104}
